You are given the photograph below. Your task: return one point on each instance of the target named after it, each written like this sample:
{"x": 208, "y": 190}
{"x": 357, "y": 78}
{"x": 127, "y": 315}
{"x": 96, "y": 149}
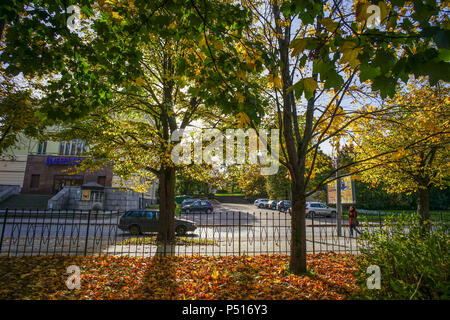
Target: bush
{"x": 411, "y": 266}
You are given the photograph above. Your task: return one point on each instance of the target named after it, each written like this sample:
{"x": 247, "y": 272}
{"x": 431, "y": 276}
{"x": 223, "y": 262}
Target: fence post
{"x": 239, "y": 228}
{"x": 3, "y": 230}
{"x": 87, "y": 232}
{"x": 312, "y": 228}
{"x": 379, "y": 218}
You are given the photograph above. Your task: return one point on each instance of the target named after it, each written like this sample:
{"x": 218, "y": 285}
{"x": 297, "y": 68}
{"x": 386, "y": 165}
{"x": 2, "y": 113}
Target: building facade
{"x": 43, "y": 168}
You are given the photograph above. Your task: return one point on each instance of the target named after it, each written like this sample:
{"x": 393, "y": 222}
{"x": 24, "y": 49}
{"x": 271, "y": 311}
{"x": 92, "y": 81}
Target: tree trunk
{"x": 297, "y": 262}
{"x": 166, "y": 228}
{"x": 423, "y": 209}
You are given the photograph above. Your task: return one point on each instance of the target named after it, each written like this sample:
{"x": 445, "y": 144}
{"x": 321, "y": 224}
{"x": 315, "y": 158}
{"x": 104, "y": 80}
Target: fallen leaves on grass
{"x": 191, "y": 277}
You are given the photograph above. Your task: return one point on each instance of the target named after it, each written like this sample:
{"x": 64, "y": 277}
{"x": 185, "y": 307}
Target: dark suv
{"x": 198, "y": 206}
{"x": 141, "y": 221}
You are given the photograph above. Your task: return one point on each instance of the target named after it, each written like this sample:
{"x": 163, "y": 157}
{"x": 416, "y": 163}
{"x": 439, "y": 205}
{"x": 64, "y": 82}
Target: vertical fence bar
{"x": 379, "y": 218}
{"x": 3, "y": 230}
{"x": 239, "y": 234}
{"x": 87, "y": 233}
{"x": 313, "y": 231}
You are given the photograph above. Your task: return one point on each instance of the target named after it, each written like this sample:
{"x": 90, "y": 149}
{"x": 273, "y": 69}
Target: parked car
{"x": 198, "y": 206}
{"x": 272, "y": 204}
{"x": 188, "y": 201}
{"x": 142, "y": 221}
{"x": 319, "y": 209}
{"x": 283, "y": 205}
{"x": 260, "y": 203}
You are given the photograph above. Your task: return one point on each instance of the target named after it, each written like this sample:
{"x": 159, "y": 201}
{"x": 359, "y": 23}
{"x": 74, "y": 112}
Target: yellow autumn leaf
{"x": 243, "y": 119}
{"x": 215, "y": 275}
{"x": 240, "y": 97}
{"x": 241, "y": 74}
{"x": 218, "y": 45}
{"x": 310, "y": 84}
{"x": 139, "y": 81}
{"x": 384, "y": 11}
{"x": 116, "y": 15}
{"x": 277, "y": 82}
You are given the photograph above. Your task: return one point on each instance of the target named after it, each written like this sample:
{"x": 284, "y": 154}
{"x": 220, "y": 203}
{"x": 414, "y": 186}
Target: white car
{"x": 260, "y": 203}
{"x": 319, "y": 209}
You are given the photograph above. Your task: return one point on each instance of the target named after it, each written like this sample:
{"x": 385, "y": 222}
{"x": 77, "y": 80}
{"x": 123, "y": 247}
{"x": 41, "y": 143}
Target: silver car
{"x": 317, "y": 209}
{"x": 260, "y": 203}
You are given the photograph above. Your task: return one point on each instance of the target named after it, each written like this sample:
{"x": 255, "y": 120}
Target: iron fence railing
{"x": 51, "y": 232}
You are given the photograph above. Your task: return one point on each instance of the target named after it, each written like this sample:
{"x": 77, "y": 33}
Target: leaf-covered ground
{"x": 198, "y": 277}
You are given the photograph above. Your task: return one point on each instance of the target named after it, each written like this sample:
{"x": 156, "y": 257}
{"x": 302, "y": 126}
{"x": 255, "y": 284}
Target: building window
{"x": 42, "y": 147}
{"x": 34, "y": 181}
{"x": 72, "y": 148}
{"x": 97, "y": 196}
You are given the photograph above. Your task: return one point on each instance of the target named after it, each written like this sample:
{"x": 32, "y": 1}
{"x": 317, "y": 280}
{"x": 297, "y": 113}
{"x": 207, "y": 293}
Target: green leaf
{"x": 369, "y": 72}
{"x": 444, "y": 54}
{"x": 299, "y": 46}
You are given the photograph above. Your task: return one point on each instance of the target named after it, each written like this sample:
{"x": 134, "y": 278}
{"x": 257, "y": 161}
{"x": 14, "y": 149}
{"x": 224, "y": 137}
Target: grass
{"x": 228, "y": 194}
{"x": 180, "y": 241}
{"x": 375, "y": 217}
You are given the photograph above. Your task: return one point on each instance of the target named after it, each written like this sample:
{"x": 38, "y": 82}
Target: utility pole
{"x": 338, "y": 199}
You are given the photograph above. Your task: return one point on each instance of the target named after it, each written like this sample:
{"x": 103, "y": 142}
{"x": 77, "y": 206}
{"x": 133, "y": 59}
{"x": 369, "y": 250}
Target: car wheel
{"x": 333, "y": 214}
{"x": 135, "y": 230}
{"x": 311, "y": 214}
{"x": 188, "y": 211}
{"x": 209, "y": 211}
{"x": 181, "y": 230}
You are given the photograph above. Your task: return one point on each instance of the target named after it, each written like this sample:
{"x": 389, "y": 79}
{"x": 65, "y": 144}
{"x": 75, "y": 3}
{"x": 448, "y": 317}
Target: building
{"x": 41, "y": 167}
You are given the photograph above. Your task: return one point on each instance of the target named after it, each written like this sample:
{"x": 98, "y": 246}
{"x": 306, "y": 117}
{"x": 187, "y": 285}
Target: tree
{"x": 133, "y": 75}
{"x": 19, "y": 114}
{"x": 278, "y": 185}
{"x": 418, "y": 129}
{"x": 251, "y": 182}
{"x": 318, "y": 49}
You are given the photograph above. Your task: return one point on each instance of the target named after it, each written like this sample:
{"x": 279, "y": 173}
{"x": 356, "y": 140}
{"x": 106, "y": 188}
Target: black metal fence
{"x": 51, "y": 232}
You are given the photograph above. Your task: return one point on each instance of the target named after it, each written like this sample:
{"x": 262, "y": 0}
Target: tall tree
{"x": 136, "y": 72}
{"x": 317, "y": 50}
{"x": 418, "y": 130}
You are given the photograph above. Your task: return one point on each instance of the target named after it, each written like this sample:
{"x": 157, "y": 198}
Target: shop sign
{"x": 63, "y": 161}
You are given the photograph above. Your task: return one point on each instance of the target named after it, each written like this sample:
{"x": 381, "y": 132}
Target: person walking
{"x": 353, "y": 221}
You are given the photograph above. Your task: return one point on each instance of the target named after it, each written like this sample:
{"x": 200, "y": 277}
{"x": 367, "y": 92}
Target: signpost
{"x": 345, "y": 194}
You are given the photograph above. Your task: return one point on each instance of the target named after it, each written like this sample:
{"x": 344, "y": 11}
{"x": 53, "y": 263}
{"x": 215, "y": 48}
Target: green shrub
{"x": 412, "y": 266}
